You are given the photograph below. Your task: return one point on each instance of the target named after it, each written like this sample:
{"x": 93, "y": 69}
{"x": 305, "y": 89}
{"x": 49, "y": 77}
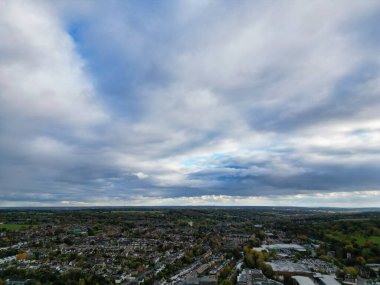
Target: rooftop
{"x": 302, "y": 280}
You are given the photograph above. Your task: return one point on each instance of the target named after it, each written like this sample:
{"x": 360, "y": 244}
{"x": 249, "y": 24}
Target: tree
{"x": 225, "y": 271}
{"x": 351, "y": 271}
{"x": 249, "y": 261}
{"x": 59, "y": 231}
{"x": 90, "y": 232}
{"x": 188, "y": 257}
{"x": 349, "y": 247}
{"x": 21, "y": 255}
{"x": 267, "y": 270}
{"x": 339, "y": 273}
{"x": 68, "y": 241}
{"x": 226, "y": 282}
{"x": 360, "y": 260}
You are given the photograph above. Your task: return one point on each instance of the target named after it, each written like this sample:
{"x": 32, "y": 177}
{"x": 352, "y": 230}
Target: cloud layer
{"x": 139, "y": 102}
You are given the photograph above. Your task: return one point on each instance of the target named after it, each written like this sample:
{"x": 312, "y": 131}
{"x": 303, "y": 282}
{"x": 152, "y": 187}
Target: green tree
{"x": 226, "y": 282}
{"x": 248, "y": 260}
{"x": 90, "y": 232}
{"x": 352, "y": 271}
{"x": 360, "y": 260}
{"x": 267, "y": 270}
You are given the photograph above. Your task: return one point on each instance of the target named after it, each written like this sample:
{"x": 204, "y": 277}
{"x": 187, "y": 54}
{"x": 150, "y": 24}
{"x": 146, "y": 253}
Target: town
{"x": 190, "y": 246}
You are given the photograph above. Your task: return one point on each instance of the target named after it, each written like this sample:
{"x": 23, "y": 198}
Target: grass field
{"x": 360, "y": 238}
{"x": 14, "y": 226}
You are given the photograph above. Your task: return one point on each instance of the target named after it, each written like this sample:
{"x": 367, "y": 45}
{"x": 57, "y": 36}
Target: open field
{"x": 361, "y": 240}
{"x": 14, "y": 226}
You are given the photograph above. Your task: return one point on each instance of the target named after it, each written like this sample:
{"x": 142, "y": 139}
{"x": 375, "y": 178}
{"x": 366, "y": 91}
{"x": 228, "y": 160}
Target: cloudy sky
{"x": 190, "y": 103}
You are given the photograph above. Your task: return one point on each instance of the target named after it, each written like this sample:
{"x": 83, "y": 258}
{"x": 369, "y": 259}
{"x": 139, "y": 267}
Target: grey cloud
{"x": 275, "y": 98}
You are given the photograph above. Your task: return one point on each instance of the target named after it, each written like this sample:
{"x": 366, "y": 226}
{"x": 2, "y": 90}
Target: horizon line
{"x": 185, "y": 206}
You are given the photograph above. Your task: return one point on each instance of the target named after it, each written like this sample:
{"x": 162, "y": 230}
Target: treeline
{"x": 46, "y": 276}
{"x": 353, "y": 239}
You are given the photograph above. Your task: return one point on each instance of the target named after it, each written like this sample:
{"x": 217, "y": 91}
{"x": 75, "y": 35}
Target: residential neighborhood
{"x": 170, "y": 246}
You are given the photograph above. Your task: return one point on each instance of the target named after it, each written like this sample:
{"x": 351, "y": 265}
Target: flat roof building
{"x": 303, "y": 280}
{"x": 289, "y": 268}
{"x": 326, "y": 280}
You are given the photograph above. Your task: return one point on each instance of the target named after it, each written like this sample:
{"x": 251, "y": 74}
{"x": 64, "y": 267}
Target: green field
{"x": 361, "y": 240}
{"x": 14, "y": 226}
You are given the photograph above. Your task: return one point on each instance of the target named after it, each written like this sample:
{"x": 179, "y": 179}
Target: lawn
{"x": 359, "y": 238}
{"x": 362, "y": 240}
{"x": 14, "y": 226}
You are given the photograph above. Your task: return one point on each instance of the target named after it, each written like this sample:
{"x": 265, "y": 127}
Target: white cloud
{"x": 141, "y": 175}
{"x": 210, "y": 100}
{"x": 41, "y": 76}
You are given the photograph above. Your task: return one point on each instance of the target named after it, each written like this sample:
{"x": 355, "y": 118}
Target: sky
{"x": 208, "y": 102}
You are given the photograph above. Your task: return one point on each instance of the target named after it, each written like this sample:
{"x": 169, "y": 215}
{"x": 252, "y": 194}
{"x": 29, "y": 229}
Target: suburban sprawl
{"x": 190, "y": 246}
